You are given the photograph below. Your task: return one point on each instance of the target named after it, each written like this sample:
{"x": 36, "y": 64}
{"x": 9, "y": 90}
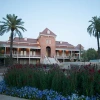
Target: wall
{"x": 44, "y": 44}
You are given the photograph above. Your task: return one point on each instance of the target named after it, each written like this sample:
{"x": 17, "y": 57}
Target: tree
{"x": 90, "y": 54}
{"x": 13, "y": 24}
{"x": 94, "y": 29}
{"x": 84, "y": 56}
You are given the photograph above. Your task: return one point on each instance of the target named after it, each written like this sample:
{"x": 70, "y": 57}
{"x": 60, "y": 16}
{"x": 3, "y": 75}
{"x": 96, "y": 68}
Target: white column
{"x": 5, "y": 50}
{"x": 71, "y": 53}
{"x": 29, "y": 55}
{"x": 63, "y": 55}
{"x": 17, "y": 54}
{"x": 79, "y": 55}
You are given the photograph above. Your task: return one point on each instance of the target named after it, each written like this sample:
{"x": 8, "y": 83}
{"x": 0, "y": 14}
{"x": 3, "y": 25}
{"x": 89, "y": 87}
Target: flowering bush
{"x": 80, "y": 81}
{"x": 34, "y": 93}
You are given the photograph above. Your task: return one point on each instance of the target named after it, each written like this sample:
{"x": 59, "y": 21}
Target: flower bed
{"x": 35, "y": 93}
{"x": 21, "y": 79}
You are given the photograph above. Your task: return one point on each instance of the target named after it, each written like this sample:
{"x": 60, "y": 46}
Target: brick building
{"x": 32, "y": 51}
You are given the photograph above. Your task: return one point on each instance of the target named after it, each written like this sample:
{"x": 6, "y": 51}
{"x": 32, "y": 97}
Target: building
{"x": 32, "y": 51}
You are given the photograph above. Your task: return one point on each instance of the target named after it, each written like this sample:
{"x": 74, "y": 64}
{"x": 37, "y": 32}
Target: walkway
{"x": 4, "y": 97}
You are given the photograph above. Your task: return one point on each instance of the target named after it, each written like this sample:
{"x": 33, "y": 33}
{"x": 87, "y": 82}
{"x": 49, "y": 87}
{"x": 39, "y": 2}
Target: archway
{"x": 48, "y": 51}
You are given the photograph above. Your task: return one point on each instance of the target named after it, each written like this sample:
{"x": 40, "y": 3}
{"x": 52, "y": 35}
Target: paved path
{"x": 4, "y": 97}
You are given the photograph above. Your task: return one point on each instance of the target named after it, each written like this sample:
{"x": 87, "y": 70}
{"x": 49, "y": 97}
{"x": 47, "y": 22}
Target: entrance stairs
{"x": 50, "y": 60}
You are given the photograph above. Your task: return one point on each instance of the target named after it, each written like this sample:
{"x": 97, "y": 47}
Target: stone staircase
{"x": 49, "y": 60}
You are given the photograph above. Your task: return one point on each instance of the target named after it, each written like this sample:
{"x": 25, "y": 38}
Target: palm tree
{"x": 13, "y": 24}
{"x": 94, "y": 29}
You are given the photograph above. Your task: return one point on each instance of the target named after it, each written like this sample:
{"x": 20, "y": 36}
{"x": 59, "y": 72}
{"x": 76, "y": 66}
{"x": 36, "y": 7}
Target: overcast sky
{"x": 68, "y": 19}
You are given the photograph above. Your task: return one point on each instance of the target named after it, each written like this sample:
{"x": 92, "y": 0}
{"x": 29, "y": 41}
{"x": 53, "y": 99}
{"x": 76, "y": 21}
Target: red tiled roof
{"x": 66, "y": 47}
{"x": 79, "y": 46}
{"x": 64, "y": 44}
{"x": 44, "y": 32}
{"x": 19, "y": 43}
{"x": 28, "y": 40}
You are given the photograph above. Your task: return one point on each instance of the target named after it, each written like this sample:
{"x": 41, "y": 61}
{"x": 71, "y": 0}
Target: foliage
{"x": 13, "y": 24}
{"x": 36, "y": 94}
{"x": 94, "y": 29}
{"x": 84, "y": 81}
{"x": 90, "y": 54}
{"x": 84, "y": 56}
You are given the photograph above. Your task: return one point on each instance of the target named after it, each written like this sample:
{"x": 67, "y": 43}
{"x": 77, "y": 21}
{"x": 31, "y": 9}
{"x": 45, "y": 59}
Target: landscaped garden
{"x": 49, "y": 82}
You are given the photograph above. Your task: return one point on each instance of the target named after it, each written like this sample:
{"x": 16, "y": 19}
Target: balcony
{"x": 66, "y": 57}
{"x": 20, "y": 56}
{"x": 62, "y": 57}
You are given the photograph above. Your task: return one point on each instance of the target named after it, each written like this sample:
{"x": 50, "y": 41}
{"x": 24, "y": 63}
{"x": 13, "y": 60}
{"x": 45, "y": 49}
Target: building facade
{"x": 32, "y": 51}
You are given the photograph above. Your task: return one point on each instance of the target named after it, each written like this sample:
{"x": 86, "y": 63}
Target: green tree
{"x": 84, "y": 56}
{"x": 90, "y": 54}
{"x": 94, "y": 29}
{"x": 13, "y": 24}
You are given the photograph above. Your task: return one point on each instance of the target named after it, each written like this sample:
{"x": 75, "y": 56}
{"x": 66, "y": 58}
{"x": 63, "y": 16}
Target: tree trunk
{"x": 98, "y": 46}
{"x": 11, "y": 48}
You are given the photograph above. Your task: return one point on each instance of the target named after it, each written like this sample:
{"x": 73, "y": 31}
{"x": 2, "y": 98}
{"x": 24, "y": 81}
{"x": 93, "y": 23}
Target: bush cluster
{"x": 82, "y": 81}
{"x": 36, "y": 94}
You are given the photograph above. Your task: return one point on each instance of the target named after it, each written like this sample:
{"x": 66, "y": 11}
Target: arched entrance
{"x": 48, "y": 51}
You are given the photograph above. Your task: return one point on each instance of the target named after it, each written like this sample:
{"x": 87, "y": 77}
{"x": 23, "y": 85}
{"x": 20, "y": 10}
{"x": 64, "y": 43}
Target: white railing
{"x": 19, "y": 55}
{"x": 66, "y": 57}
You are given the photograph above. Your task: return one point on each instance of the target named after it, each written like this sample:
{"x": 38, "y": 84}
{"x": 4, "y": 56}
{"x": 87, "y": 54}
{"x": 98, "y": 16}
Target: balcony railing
{"x": 66, "y": 57}
{"x": 19, "y": 55}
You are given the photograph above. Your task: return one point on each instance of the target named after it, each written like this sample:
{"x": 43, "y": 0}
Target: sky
{"x": 68, "y": 19}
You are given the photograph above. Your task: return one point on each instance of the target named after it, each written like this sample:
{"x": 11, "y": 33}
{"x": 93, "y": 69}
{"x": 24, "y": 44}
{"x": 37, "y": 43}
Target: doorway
{"x": 48, "y": 51}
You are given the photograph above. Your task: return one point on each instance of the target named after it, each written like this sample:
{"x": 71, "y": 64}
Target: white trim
{"x": 64, "y": 45}
{"x": 46, "y": 35}
{"x": 24, "y": 42}
{"x": 67, "y": 49}
{"x": 17, "y": 46}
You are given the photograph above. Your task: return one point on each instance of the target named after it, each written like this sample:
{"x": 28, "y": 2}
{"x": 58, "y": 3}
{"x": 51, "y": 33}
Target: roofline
{"x": 64, "y": 45}
{"x": 18, "y": 46}
{"x": 46, "y": 35}
{"x": 67, "y": 49}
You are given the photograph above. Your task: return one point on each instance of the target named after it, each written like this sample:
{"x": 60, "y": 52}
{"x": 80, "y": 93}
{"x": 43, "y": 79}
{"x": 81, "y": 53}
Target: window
{"x": 49, "y": 41}
{"x": 21, "y": 52}
{"x": 34, "y": 53}
{"x": 48, "y": 32}
{"x": 24, "y": 53}
{"x": 31, "y": 53}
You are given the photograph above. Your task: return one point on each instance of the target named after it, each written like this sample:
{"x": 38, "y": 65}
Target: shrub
{"x": 84, "y": 81}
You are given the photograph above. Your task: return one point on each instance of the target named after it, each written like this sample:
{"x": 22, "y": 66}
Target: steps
{"x": 49, "y": 60}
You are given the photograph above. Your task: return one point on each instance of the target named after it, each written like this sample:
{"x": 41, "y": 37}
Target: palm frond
{"x": 22, "y": 28}
{"x": 94, "y": 27}
{"x": 12, "y": 22}
{"x": 19, "y": 33}
{"x": 2, "y": 30}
